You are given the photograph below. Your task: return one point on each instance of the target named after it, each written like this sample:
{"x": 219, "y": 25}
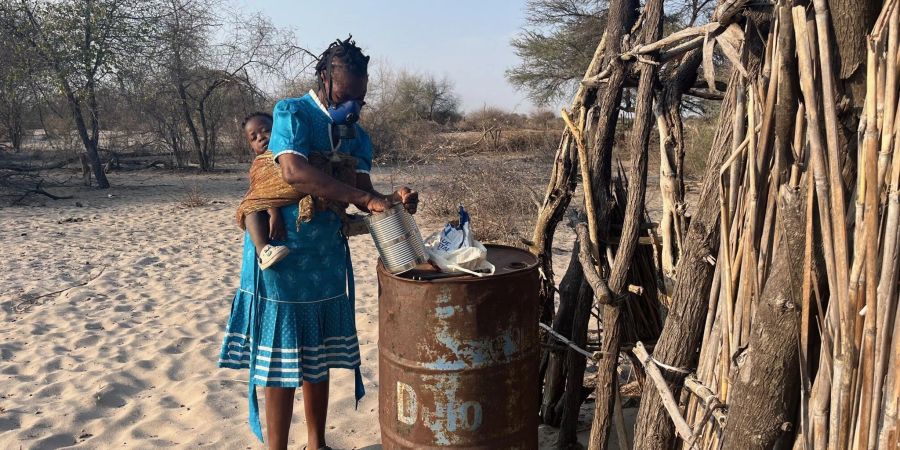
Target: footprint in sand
{"x": 116, "y": 395}
{"x": 8, "y": 350}
{"x": 180, "y": 346}
{"x": 56, "y": 441}
{"x": 53, "y": 390}
{"x": 93, "y": 326}
{"x": 147, "y": 261}
{"x": 9, "y": 423}
{"x": 87, "y": 341}
{"x": 170, "y": 402}
{"x": 40, "y": 329}
{"x": 146, "y": 364}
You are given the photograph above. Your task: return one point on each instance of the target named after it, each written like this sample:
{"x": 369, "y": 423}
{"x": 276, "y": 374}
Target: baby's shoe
{"x": 272, "y": 254}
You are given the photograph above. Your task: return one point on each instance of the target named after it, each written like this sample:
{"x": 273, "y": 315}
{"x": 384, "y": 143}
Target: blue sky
{"x": 468, "y": 41}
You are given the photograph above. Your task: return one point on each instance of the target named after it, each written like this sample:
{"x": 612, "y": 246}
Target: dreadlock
{"x": 257, "y": 114}
{"x": 343, "y": 54}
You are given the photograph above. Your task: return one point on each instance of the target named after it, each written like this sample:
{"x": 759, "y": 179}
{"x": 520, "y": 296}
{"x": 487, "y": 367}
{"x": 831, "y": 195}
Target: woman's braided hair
{"x": 344, "y": 54}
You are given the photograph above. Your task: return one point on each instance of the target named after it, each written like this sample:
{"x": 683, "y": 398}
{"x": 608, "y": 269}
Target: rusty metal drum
{"x": 458, "y": 357}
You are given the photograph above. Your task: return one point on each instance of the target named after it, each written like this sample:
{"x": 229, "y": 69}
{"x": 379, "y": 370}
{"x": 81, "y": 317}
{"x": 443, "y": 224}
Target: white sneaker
{"x": 271, "y": 255}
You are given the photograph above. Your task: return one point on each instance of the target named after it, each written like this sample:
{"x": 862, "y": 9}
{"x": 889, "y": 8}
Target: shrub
{"x": 499, "y": 195}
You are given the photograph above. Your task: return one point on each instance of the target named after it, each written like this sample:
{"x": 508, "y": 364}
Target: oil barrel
{"x": 458, "y": 357}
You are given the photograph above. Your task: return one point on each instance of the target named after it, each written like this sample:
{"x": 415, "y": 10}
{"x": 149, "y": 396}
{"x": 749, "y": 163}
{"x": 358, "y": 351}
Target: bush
{"x": 498, "y": 194}
{"x": 193, "y": 197}
{"x": 491, "y": 117}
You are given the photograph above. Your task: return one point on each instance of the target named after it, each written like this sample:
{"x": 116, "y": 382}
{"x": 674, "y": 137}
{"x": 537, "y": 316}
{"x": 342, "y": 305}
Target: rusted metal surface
{"x": 458, "y": 358}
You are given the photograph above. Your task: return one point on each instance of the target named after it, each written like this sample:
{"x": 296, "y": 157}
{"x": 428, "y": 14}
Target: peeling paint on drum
{"x": 458, "y": 358}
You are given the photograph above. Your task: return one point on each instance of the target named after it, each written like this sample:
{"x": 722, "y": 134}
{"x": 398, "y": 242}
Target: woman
{"x": 292, "y": 323}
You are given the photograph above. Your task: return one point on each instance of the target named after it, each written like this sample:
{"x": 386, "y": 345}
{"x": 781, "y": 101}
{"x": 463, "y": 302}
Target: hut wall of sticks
{"x": 768, "y": 318}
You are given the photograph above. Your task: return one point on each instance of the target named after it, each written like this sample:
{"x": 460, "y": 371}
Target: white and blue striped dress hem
{"x": 289, "y": 367}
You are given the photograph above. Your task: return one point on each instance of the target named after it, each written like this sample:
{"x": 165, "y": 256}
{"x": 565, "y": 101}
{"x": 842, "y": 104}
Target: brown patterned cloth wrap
{"x": 269, "y": 190}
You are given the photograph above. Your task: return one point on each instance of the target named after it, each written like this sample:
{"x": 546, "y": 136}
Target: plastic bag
{"x": 453, "y": 249}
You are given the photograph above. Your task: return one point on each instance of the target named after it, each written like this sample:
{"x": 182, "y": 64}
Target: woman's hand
{"x": 276, "y": 225}
{"x": 408, "y": 197}
{"x": 376, "y": 204}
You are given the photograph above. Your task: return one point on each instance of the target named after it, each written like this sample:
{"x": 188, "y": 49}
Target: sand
{"x": 113, "y": 306}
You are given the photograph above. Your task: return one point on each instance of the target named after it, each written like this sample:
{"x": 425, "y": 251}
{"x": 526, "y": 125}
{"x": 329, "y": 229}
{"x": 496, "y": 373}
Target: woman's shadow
{"x": 371, "y": 447}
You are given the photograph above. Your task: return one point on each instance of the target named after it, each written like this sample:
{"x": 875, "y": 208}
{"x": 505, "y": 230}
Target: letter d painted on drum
{"x": 407, "y": 404}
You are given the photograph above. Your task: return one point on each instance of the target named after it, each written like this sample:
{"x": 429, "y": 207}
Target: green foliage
{"x": 81, "y": 42}
{"x": 556, "y": 46}
{"x": 560, "y": 37}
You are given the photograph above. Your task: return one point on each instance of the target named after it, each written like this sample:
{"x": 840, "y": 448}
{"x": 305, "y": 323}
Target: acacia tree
{"x": 556, "y": 46}
{"x": 558, "y": 40}
{"x": 81, "y": 44}
{"x": 422, "y": 97}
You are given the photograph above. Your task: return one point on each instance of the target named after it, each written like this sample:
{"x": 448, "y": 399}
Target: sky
{"x": 467, "y": 42}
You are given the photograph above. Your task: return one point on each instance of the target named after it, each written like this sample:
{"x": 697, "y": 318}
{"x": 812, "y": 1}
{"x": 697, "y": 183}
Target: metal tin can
{"x": 459, "y": 357}
{"x": 397, "y": 239}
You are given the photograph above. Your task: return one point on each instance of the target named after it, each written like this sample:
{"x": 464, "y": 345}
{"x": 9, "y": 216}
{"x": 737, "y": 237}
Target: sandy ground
{"x": 113, "y": 306}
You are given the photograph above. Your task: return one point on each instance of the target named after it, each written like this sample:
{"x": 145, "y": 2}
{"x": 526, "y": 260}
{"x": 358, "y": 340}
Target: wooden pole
{"x": 683, "y": 329}
{"x": 607, "y": 375}
{"x": 668, "y": 400}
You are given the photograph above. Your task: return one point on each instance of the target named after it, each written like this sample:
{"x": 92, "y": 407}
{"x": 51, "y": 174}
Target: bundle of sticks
{"x": 805, "y": 292}
{"x": 783, "y": 324}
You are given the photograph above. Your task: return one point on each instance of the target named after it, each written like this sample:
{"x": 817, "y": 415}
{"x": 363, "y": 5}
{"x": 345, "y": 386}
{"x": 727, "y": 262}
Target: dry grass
{"x": 193, "y": 197}
{"x": 499, "y": 193}
{"x": 422, "y": 143}
{"x": 698, "y": 139}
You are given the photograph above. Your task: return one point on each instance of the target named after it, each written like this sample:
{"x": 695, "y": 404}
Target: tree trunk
{"x": 683, "y": 328}
{"x": 192, "y": 128}
{"x": 12, "y": 115}
{"x": 851, "y": 22}
{"x": 559, "y": 192}
{"x": 766, "y": 389}
{"x": 602, "y": 121}
{"x": 575, "y": 365}
{"x": 89, "y": 142}
{"x": 671, "y": 167}
{"x": 555, "y": 377}
{"x": 556, "y": 201}
{"x": 607, "y": 375}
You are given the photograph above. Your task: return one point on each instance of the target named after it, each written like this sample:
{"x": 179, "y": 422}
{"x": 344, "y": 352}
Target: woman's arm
{"x": 405, "y": 195}
{"x": 297, "y": 172}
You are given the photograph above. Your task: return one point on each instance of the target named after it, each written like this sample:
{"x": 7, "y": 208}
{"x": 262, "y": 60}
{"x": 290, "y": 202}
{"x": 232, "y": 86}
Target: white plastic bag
{"x": 453, "y": 249}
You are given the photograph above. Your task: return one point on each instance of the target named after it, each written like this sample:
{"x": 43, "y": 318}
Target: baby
{"x": 261, "y": 217}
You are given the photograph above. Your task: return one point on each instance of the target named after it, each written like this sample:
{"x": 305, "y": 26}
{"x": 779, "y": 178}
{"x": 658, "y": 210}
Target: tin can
{"x": 397, "y": 239}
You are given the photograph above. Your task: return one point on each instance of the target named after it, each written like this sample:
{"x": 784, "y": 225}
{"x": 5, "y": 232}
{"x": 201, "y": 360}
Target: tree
{"x": 559, "y": 38}
{"x": 203, "y": 73}
{"x": 15, "y": 93}
{"x": 423, "y": 97}
{"x": 556, "y": 46}
{"x": 81, "y": 44}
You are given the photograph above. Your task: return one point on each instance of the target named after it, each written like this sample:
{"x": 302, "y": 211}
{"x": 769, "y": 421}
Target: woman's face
{"x": 346, "y": 86}
{"x": 257, "y": 132}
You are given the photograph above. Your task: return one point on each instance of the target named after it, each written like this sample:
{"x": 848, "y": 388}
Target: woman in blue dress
{"x": 293, "y": 322}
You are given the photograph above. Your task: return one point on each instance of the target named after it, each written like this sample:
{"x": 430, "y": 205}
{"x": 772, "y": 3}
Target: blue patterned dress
{"x": 296, "y": 320}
